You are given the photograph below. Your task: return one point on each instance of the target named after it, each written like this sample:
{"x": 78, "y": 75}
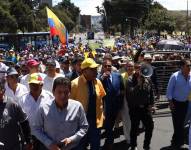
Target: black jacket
{"x": 137, "y": 95}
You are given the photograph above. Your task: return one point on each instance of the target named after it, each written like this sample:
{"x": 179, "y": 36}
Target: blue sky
{"x": 88, "y": 6}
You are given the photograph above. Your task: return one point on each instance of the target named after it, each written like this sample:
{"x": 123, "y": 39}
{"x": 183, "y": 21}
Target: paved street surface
{"x": 162, "y": 133}
{"x": 161, "y": 136}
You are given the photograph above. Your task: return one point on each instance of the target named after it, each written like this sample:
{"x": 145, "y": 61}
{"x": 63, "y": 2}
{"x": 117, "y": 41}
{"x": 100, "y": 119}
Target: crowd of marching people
{"x": 61, "y": 98}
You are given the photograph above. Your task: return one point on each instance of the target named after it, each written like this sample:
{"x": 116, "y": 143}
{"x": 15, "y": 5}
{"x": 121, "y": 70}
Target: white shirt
{"x": 25, "y": 79}
{"x": 30, "y": 106}
{"x": 48, "y": 82}
{"x": 3, "y": 67}
{"x": 20, "y": 91}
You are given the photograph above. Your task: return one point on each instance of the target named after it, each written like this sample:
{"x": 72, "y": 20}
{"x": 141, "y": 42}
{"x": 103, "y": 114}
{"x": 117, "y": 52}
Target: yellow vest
{"x": 79, "y": 92}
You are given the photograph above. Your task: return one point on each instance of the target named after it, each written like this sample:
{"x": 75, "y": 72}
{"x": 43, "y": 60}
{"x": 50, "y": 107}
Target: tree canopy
{"x": 159, "y": 19}
{"x": 30, "y": 16}
{"x": 126, "y": 16}
{"x": 124, "y": 13}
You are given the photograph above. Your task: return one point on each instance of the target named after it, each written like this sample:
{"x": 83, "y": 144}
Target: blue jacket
{"x": 114, "y": 94}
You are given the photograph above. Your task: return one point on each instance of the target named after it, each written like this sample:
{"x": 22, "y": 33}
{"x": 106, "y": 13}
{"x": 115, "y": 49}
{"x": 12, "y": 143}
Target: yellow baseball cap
{"x": 89, "y": 63}
{"x": 35, "y": 78}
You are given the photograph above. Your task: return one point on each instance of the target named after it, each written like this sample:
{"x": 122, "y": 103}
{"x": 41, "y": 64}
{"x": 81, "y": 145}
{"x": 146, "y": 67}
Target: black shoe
{"x": 146, "y": 148}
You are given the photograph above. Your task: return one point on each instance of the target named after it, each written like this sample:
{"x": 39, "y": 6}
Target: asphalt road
{"x": 163, "y": 130}
{"x": 162, "y": 133}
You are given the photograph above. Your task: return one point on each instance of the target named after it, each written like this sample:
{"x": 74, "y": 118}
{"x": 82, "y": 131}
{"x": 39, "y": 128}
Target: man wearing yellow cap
{"x": 89, "y": 91}
{"x": 31, "y": 101}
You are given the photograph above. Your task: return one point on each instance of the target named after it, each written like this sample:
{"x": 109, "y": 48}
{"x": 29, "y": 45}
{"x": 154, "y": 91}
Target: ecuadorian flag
{"x": 57, "y": 28}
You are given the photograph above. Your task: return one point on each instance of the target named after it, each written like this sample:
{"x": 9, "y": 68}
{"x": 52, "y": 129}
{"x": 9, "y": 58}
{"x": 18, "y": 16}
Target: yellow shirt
{"x": 79, "y": 92}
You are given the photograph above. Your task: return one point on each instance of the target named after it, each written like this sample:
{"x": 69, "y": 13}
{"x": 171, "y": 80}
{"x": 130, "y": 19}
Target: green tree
{"x": 181, "y": 20}
{"x": 23, "y": 14}
{"x": 124, "y": 13}
{"x": 7, "y": 21}
{"x": 159, "y": 19}
{"x": 68, "y": 13}
{"x": 30, "y": 16}
{"x": 40, "y": 19}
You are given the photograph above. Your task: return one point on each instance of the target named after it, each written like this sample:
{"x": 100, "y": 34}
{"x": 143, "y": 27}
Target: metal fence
{"x": 164, "y": 69}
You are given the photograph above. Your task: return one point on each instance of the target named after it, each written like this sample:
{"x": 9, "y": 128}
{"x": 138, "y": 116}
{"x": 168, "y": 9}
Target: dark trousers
{"x": 178, "y": 118}
{"x": 37, "y": 145}
{"x": 92, "y": 137}
{"x": 110, "y": 118}
{"x": 138, "y": 114}
{"x": 16, "y": 147}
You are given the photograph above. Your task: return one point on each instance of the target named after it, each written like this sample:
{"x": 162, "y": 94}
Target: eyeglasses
{"x": 107, "y": 66}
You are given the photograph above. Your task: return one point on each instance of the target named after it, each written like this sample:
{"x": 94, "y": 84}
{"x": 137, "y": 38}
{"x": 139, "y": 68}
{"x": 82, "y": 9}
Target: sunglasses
{"x": 107, "y": 66}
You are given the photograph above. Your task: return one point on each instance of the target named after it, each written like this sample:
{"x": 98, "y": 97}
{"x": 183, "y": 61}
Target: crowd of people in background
{"x": 59, "y": 98}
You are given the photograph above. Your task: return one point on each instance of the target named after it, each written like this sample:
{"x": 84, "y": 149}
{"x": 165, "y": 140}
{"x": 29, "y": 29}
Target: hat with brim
{"x": 11, "y": 71}
{"x": 11, "y": 50}
{"x": 35, "y": 78}
{"x": 51, "y": 62}
{"x": 32, "y": 63}
{"x": 116, "y": 58}
{"x": 147, "y": 56}
{"x": 89, "y": 63}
